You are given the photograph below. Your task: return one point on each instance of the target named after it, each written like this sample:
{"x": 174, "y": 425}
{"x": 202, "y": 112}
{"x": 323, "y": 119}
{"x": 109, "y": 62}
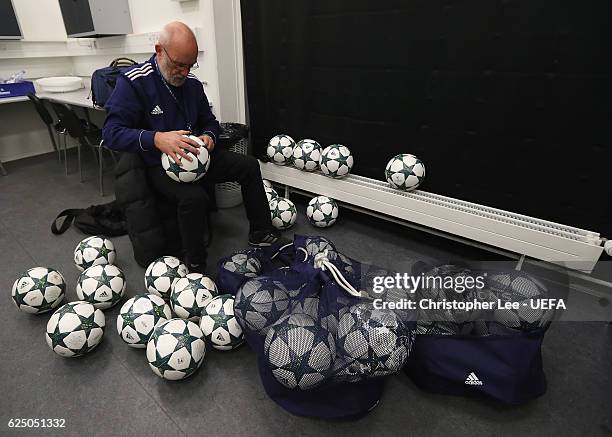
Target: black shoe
{"x": 266, "y": 238}
{"x": 196, "y": 267}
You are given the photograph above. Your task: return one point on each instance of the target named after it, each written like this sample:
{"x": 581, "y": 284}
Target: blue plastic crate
{"x": 16, "y": 89}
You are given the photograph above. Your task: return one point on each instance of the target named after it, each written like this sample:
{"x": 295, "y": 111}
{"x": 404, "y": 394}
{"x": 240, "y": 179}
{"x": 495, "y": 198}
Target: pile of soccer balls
{"x": 77, "y": 327}
{"x": 403, "y": 172}
{"x": 306, "y": 342}
{"x": 510, "y": 286}
{"x": 175, "y": 347}
{"x": 335, "y": 160}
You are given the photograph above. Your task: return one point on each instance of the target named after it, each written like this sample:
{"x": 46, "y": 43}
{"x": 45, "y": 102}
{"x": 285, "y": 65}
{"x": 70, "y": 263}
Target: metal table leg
{"x": 2, "y": 170}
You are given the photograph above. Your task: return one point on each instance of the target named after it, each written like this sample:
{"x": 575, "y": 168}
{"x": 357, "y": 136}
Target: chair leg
{"x": 65, "y": 154}
{"x": 94, "y": 152}
{"x": 79, "y": 157}
{"x": 101, "y": 171}
{"x": 2, "y": 170}
{"x": 59, "y": 155}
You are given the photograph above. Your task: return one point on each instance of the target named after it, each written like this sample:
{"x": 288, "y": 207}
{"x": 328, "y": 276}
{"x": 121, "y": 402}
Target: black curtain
{"x": 508, "y": 103}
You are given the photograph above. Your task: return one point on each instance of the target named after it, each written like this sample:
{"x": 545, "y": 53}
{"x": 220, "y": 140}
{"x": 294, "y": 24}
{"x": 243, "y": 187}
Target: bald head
{"x": 175, "y": 49}
{"x": 177, "y": 34}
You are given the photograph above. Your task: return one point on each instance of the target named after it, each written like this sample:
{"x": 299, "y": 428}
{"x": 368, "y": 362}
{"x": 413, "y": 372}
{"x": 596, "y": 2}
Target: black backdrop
{"x": 508, "y": 103}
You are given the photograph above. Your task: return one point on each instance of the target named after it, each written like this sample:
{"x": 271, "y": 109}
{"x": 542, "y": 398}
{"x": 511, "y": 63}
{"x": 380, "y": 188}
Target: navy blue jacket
{"x": 141, "y": 105}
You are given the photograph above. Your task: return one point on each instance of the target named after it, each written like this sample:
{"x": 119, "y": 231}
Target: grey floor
{"x": 113, "y": 392}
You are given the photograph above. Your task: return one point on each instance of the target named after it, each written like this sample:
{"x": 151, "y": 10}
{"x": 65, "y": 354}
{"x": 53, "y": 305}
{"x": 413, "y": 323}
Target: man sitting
{"x": 153, "y": 105}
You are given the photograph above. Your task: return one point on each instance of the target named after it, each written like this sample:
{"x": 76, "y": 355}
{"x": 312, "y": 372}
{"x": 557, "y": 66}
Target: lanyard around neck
{"x": 179, "y": 106}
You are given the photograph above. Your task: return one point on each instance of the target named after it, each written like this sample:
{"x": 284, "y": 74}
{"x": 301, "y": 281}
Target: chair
{"x": 86, "y": 134}
{"x": 52, "y": 127}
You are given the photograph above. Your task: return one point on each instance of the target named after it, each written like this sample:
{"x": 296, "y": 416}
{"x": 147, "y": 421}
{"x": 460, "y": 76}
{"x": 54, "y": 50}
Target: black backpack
{"x": 103, "y": 80}
{"x": 108, "y": 220}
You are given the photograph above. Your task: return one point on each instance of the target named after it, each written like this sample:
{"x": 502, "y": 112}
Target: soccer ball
{"x": 440, "y": 284}
{"x": 518, "y": 287}
{"x": 93, "y": 251}
{"x": 162, "y": 273}
{"x": 316, "y": 245}
{"x": 336, "y": 161}
{"x": 103, "y": 286}
{"x": 191, "y": 294}
{"x": 283, "y": 213}
{"x": 300, "y": 353}
{"x": 188, "y": 171}
{"x": 345, "y": 264}
{"x": 322, "y": 211}
{"x": 306, "y": 155}
{"x": 219, "y": 324}
{"x": 75, "y": 329}
{"x": 269, "y": 190}
{"x": 259, "y": 303}
{"x": 176, "y": 349}
{"x": 308, "y": 305}
{"x": 38, "y": 290}
{"x": 427, "y": 327}
{"x": 405, "y": 172}
{"x": 138, "y": 317}
{"x": 280, "y": 149}
{"x": 377, "y": 342}
{"x": 243, "y": 264}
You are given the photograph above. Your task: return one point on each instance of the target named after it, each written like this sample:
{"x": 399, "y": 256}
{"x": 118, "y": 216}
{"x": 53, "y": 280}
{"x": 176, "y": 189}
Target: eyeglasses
{"x": 179, "y": 65}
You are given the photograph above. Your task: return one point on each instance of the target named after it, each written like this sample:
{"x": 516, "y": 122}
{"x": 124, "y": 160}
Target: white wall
{"x": 40, "y": 54}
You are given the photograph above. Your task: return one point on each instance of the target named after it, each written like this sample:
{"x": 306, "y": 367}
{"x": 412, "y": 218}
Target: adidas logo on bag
{"x": 157, "y": 110}
{"x": 472, "y": 379}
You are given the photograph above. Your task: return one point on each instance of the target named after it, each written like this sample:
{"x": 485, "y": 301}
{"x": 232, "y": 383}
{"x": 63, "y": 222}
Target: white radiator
{"x": 552, "y": 242}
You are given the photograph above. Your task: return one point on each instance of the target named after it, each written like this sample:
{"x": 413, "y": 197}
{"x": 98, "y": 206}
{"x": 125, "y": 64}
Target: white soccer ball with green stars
{"x": 405, "y": 172}
{"x": 38, "y": 290}
{"x": 188, "y": 171}
{"x": 306, "y": 155}
{"x": 103, "y": 286}
{"x": 191, "y": 294}
{"x": 282, "y": 212}
{"x": 138, "y": 317}
{"x": 161, "y": 274}
{"x": 219, "y": 324}
{"x": 243, "y": 264}
{"x": 269, "y": 190}
{"x": 322, "y": 211}
{"x": 93, "y": 251}
{"x": 176, "y": 349}
{"x": 336, "y": 161}
{"x": 75, "y": 329}
{"x": 280, "y": 149}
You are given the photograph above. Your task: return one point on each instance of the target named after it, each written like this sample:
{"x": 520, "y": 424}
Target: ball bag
{"x": 475, "y": 358}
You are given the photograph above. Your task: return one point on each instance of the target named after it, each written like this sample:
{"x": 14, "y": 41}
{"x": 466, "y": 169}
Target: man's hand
{"x": 208, "y": 142}
{"x": 174, "y": 144}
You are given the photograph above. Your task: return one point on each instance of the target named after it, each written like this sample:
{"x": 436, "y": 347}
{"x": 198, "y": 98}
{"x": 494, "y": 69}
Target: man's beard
{"x": 176, "y": 80}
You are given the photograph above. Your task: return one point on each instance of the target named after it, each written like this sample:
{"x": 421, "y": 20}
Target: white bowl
{"x": 60, "y": 84}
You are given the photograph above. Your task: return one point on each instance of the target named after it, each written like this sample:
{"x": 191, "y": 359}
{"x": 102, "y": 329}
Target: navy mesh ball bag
{"x": 322, "y": 347}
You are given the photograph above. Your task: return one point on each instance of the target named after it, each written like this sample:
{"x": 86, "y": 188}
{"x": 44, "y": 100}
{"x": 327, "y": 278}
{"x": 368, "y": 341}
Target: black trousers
{"x": 193, "y": 202}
